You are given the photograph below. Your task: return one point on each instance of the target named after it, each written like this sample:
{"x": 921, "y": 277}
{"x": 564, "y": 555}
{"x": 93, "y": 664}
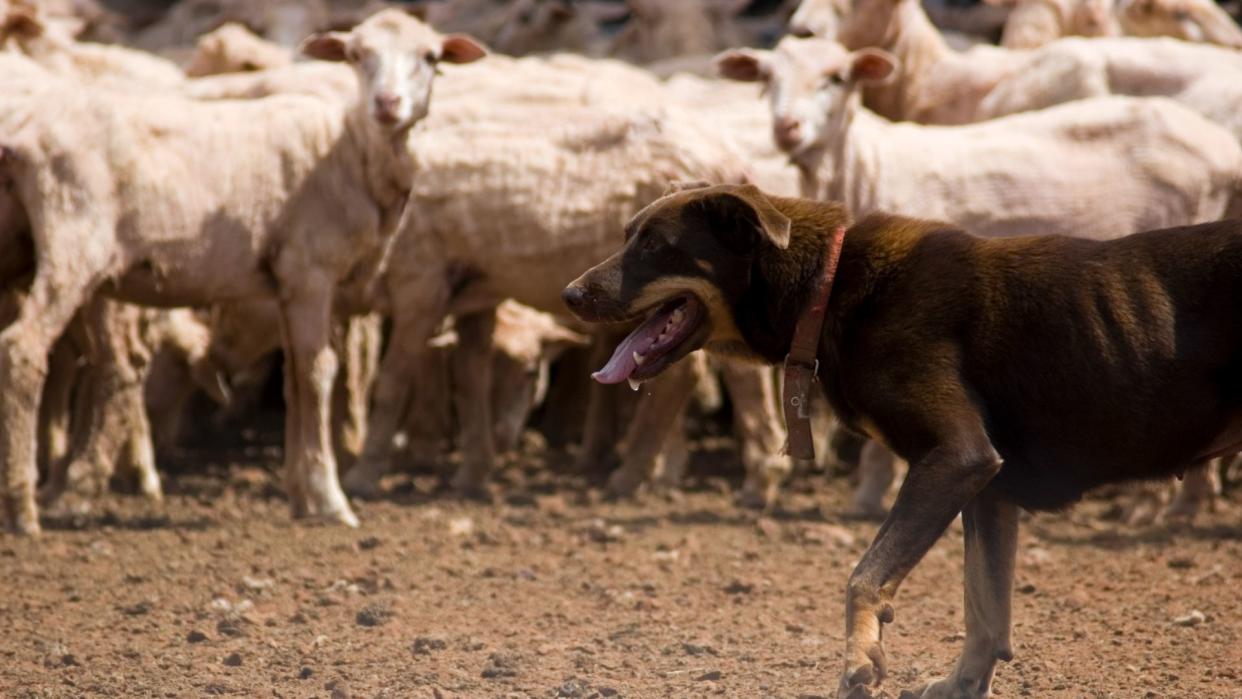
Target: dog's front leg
{"x": 991, "y": 532}
{"x": 936, "y": 489}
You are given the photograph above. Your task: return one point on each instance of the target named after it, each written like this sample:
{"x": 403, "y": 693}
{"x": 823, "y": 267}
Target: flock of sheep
{"x": 166, "y": 229}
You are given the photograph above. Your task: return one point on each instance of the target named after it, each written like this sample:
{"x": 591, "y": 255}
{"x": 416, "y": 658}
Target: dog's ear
{"x": 743, "y": 218}
{"x": 682, "y": 185}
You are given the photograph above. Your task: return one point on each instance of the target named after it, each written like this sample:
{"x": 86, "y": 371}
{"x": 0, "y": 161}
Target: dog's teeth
{"x": 678, "y": 315}
{"x": 638, "y": 359}
{"x": 635, "y": 383}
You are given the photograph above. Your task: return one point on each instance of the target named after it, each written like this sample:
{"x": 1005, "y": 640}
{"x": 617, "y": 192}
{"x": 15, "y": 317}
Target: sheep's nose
{"x": 788, "y": 131}
{"x": 801, "y": 31}
{"x": 386, "y": 103}
{"x": 574, "y": 296}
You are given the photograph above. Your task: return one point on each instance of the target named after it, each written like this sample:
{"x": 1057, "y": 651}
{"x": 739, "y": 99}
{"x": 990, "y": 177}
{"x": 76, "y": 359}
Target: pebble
{"x": 424, "y": 645}
{"x": 196, "y": 636}
{"x": 233, "y": 660}
{"x": 738, "y": 587}
{"x": 376, "y": 614}
{"x": 709, "y": 676}
{"x": 1194, "y": 618}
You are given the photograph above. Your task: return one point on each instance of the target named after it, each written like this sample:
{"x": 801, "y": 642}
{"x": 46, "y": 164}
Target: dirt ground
{"x": 552, "y": 593}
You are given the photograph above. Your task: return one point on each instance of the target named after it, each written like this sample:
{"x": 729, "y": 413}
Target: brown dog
{"x": 1008, "y": 373}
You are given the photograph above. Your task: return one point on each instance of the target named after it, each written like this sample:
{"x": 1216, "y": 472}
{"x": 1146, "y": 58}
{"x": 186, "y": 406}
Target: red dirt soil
{"x": 552, "y": 593}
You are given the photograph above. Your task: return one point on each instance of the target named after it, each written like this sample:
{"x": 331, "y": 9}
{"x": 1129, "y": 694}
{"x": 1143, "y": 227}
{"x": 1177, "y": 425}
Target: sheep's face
{"x": 395, "y": 56}
{"x": 807, "y": 82}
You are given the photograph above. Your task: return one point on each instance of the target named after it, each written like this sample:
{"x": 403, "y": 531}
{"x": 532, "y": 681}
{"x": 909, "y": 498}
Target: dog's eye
{"x": 649, "y": 244}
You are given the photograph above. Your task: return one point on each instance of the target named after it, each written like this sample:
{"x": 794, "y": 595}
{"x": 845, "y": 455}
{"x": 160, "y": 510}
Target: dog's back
{"x": 1091, "y": 362}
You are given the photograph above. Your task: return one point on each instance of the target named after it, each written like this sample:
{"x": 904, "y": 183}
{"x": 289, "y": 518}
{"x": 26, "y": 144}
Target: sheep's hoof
{"x": 342, "y": 516}
{"x": 471, "y": 485}
{"x": 624, "y": 483}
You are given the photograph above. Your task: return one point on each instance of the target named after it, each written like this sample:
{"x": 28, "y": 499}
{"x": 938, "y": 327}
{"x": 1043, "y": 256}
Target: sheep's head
{"x": 807, "y": 81}
{"x": 1191, "y": 20}
{"x": 395, "y": 56}
{"x": 818, "y": 18}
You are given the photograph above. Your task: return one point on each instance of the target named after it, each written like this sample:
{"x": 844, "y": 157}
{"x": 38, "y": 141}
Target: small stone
{"x": 1180, "y": 563}
{"x": 368, "y": 543}
{"x": 256, "y": 584}
{"x": 196, "y": 636}
{"x": 305, "y": 673}
{"x": 232, "y": 626}
{"x": 376, "y": 614}
{"x": 233, "y": 660}
{"x": 1027, "y": 588}
{"x": 607, "y": 692}
{"x": 69, "y": 660}
{"x": 1194, "y": 618}
{"x": 769, "y": 528}
{"x": 137, "y": 609}
{"x": 710, "y": 676}
{"x": 425, "y": 645}
{"x": 601, "y": 532}
{"x": 500, "y": 665}
{"x": 697, "y": 649}
{"x": 462, "y": 526}
{"x": 573, "y": 689}
{"x": 738, "y": 587}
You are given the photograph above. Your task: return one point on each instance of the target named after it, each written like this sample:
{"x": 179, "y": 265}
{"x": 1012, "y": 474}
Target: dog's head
{"x": 685, "y": 267}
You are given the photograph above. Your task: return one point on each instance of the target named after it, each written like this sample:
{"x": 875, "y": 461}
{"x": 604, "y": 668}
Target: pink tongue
{"x": 621, "y": 365}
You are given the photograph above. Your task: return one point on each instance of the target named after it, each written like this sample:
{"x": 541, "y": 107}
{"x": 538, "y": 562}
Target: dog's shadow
{"x": 1124, "y": 540}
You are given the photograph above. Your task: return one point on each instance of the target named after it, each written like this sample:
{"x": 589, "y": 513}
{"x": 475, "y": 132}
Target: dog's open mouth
{"x": 662, "y": 339}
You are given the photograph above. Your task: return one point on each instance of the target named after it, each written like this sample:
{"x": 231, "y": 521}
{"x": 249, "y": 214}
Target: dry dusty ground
{"x": 551, "y": 593}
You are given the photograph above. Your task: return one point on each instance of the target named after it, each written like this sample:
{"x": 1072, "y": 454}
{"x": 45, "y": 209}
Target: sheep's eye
{"x": 834, "y": 79}
{"x": 431, "y": 57}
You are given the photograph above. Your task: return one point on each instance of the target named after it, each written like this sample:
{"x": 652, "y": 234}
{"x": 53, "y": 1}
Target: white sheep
{"x": 292, "y": 196}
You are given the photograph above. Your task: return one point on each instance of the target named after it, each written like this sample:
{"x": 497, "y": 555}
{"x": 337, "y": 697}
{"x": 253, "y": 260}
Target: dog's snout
{"x": 574, "y": 296}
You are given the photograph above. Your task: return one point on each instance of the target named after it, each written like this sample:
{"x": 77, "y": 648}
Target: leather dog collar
{"x": 802, "y": 363}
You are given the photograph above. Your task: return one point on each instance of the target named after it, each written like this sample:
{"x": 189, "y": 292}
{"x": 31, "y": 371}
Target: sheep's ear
{"x": 459, "y": 48}
{"x": 22, "y": 23}
{"x": 418, "y": 12}
{"x": 745, "y": 65}
{"x": 326, "y": 46}
{"x": 743, "y": 217}
{"x": 872, "y": 66}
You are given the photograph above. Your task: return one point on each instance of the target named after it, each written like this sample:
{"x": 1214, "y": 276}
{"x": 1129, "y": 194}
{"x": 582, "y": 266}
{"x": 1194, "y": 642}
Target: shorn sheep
{"x": 293, "y": 196}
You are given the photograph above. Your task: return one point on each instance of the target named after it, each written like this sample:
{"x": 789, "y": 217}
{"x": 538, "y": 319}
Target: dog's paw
{"x": 863, "y": 675}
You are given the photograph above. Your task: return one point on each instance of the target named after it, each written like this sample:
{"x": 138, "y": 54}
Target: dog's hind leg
{"x": 991, "y": 532}
{"x": 938, "y": 486}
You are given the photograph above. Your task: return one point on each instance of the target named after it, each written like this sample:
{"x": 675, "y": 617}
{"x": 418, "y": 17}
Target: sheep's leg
{"x": 55, "y": 413}
{"x": 661, "y": 400}
{"x": 112, "y": 412}
{"x": 600, "y": 430}
{"x": 757, "y": 426}
{"x": 671, "y": 463}
{"x": 351, "y": 393}
{"x": 569, "y": 396}
{"x": 1197, "y": 491}
{"x": 877, "y": 466}
{"x": 412, "y": 328}
{"x": 472, "y": 362}
{"x": 56, "y": 408}
{"x": 311, "y": 366}
{"x": 24, "y": 347}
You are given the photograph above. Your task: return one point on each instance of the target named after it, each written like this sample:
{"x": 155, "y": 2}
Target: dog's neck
{"x": 782, "y": 281}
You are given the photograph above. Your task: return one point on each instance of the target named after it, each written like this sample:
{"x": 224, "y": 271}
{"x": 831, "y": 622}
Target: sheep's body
{"x": 1156, "y": 163}
{"x": 232, "y": 48}
{"x": 310, "y": 194}
{"x": 517, "y": 203}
